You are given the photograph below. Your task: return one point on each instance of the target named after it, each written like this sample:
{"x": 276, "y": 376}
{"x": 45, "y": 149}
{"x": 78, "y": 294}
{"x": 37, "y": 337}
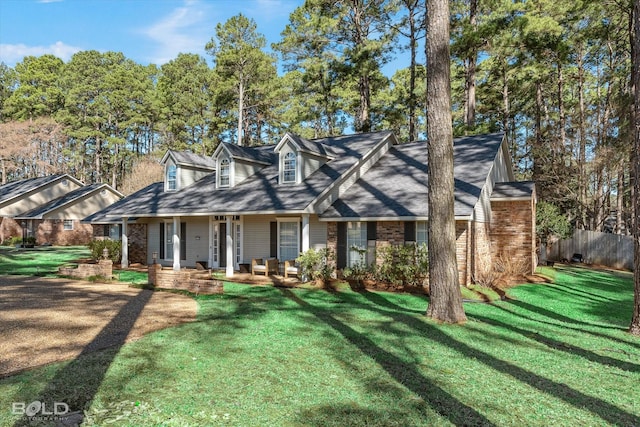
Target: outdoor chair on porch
{"x": 258, "y": 265}
{"x": 291, "y": 268}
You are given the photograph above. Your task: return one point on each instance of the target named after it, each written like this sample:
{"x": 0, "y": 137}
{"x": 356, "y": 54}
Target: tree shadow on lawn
{"x": 77, "y": 383}
{"x": 561, "y": 346}
{"x": 559, "y": 320}
{"x": 441, "y": 401}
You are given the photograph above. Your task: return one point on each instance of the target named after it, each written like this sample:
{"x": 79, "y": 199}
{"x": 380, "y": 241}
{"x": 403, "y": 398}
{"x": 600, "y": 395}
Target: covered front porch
{"x": 226, "y": 243}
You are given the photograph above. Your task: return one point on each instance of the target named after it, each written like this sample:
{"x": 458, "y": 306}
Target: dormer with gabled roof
{"x": 298, "y": 158}
{"x": 183, "y": 168}
{"x": 234, "y": 163}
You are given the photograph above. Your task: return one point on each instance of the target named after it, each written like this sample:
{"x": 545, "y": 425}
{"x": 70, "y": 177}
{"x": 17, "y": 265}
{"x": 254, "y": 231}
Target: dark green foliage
{"x": 316, "y": 264}
{"x": 551, "y": 222}
{"x": 402, "y": 264}
{"x": 114, "y": 247}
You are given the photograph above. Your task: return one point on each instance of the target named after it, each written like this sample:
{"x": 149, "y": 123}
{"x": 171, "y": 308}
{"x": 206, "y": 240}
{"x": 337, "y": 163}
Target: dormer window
{"x": 289, "y": 168}
{"x": 172, "y": 177}
{"x": 224, "y": 172}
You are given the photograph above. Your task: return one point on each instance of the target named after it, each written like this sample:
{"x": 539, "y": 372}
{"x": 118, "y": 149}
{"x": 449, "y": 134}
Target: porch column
{"x": 305, "y": 233}
{"x": 124, "y": 262}
{"x": 176, "y": 243}
{"x": 211, "y": 248}
{"x": 229, "y": 237}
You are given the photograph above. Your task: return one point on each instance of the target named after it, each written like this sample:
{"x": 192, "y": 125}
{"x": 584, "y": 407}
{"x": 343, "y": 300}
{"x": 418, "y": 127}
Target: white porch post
{"x": 305, "y": 233}
{"x": 229, "y": 237}
{"x": 211, "y": 248}
{"x": 124, "y": 262}
{"x": 176, "y": 243}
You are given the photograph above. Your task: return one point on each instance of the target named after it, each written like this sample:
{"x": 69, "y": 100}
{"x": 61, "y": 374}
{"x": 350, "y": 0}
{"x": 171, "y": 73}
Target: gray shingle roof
{"x": 259, "y": 193}
{"x": 68, "y": 198}
{"x": 189, "y": 158}
{"x": 16, "y": 188}
{"x": 261, "y": 154}
{"x": 311, "y": 146}
{"x": 513, "y": 190}
{"x": 396, "y": 186}
{"x": 147, "y": 197}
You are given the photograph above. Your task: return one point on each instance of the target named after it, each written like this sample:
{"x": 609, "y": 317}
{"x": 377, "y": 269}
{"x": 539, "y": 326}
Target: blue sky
{"x": 146, "y": 31}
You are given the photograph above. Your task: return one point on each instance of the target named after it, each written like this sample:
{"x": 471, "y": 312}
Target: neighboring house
{"x": 362, "y": 190}
{"x": 51, "y": 208}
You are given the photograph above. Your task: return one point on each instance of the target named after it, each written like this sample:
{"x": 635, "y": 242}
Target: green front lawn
{"x": 40, "y": 261}
{"x": 555, "y": 354}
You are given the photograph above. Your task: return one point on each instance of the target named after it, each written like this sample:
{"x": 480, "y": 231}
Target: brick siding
{"x": 513, "y": 231}
{"x": 196, "y": 281}
{"x": 104, "y": 268}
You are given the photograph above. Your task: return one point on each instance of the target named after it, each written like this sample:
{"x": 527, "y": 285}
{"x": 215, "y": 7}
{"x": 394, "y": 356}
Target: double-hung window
{"x": 289, "y": 167}
{"x": 172, "y": 177}
{"x": 356, "y": 243}
{"x": 225, "y": 171}
{"x": 421, "y": 232}
{"x": 289, "y": 239}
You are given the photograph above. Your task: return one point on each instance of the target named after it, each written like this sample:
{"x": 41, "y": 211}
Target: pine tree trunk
{"x": 240, "y": 110}
{"x": 634, "y": 328}
{"x": 445, "y": 303}
{"x": 470, "y": 81}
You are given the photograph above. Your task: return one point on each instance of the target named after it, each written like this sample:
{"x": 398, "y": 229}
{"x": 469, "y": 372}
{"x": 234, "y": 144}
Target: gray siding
{"x": 317, "y": 233}
{"x": 197, "y": 250}
{"x": 187, "y": 176}
{"x": 310, "y": 164}
{"x": 500, "y": 172}
{"x": 257, "y": 236}
{"x": 243, "y": 170}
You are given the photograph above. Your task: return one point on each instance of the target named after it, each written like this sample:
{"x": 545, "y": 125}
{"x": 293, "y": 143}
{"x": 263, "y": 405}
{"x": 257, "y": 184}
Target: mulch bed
{"x": 49, "y": 320}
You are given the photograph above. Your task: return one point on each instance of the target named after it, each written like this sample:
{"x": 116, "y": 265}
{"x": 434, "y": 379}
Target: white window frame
{"x": 168, "y": 240}
{"x": 352, "y": 256}
{"x": 228, "y": 166}
{"x": 422, "y": 232}
{"x": 172, "y": 182}
{"x": 67, "y": 224}
{"x": 295, "y": 221}
{"x": 287, "y": 158}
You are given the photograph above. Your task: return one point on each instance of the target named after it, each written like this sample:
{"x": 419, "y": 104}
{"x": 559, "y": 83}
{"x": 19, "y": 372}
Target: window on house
{"x": 289, "y": 168}
{"x": 224, "y": 172}
{"x": 288, "y": 239}
{"x": 115, "y": 231}
{"x": 421, "y": 232}
{"x": 172, "y": 177}
{"x": 67, "y": 224}
{"x": 168, "y": 237}
{"x": 356, "y": 243}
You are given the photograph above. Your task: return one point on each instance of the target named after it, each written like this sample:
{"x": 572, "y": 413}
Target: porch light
{"x": 105, "y": 253}
{"x": 154, "y": 256}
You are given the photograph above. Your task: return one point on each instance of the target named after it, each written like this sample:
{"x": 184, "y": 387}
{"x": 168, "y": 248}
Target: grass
{"x": 553, "y": 354}
{"x": 40, "y": 261}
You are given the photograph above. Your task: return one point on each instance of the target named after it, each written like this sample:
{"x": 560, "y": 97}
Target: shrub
{"x": 491, "y": 275}
{"x": 402, "y": 265}
{"x": 359, "y": 270}
{"x": 113, "y": 246}
{"x": 316, "y": 264}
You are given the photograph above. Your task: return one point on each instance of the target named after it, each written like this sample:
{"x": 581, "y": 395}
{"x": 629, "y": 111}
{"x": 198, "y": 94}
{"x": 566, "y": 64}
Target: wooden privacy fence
{"x": 611, "y": 250}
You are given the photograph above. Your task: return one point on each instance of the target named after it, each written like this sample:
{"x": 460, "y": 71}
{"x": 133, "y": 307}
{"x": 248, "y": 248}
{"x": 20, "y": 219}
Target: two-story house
{"x": 345, "y": 192}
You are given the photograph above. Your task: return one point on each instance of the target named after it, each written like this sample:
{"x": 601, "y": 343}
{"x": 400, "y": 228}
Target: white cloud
{"x": 185, "y": 30}
{"x": 11, "y": 54}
